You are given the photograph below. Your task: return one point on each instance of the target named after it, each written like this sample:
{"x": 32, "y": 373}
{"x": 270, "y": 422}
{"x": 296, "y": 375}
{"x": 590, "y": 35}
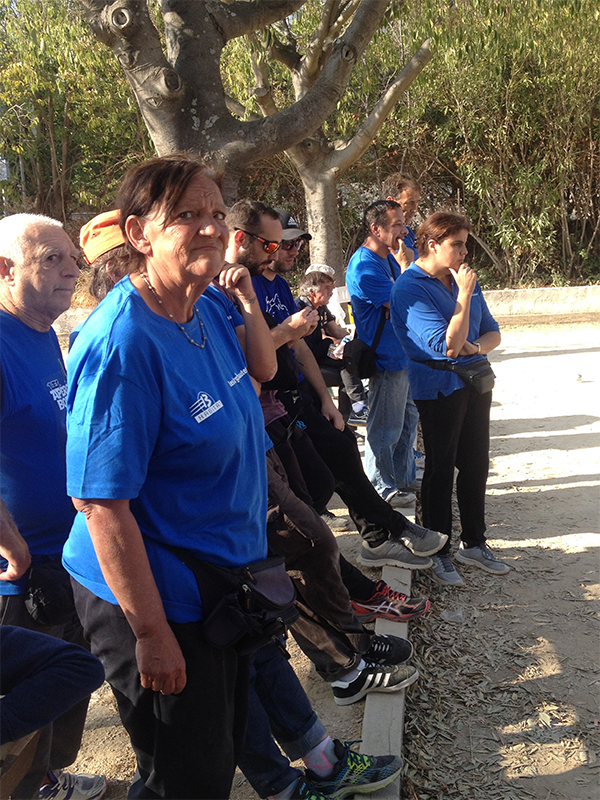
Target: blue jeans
{"x": 278, "y": 707}
{"x": 391, "y": 430}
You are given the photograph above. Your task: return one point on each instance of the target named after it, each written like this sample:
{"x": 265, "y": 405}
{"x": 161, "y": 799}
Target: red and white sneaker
{"x": 389, "y": 604}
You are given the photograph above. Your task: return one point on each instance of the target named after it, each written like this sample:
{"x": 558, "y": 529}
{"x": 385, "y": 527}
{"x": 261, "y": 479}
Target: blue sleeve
{"x": 488, "y": 323}
{"x": 373, "y": 286}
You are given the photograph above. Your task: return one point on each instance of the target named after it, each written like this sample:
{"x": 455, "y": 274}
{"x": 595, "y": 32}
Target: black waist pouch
{"x": 244, "y": 607}
{"x": 478, "y": 376}
{"x": 49, "y": 597}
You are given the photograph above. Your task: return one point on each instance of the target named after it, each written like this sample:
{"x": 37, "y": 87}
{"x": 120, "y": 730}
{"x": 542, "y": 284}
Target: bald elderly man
{"x": 38, "y": 272}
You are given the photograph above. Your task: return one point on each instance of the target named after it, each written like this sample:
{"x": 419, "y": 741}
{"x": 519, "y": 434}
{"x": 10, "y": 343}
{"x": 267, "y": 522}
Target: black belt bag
{"x": 243, "y": 607}
{"x": 49, "y": 597}
{"x": 359, "y": 357}
{"x": 478, "y": 376}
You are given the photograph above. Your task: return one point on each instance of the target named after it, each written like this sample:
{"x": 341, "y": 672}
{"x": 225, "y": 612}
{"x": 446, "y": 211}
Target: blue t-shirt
{"x": 370, "y": 279}
{"x": 275, "y": 297}
{"x": 32, "y": 446}
{"x": 421, "y": 310}
{"x": 176, "y": 429}
{"x": 409, "y": 241}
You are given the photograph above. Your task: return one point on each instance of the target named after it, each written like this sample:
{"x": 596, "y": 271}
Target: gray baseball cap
{"x": 291, "y": 229}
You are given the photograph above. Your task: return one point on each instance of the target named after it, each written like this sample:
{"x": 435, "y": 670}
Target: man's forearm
{"x": 310, "y": 369}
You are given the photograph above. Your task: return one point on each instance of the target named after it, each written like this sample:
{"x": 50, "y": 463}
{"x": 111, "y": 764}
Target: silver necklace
{"x": 171, "y": 317}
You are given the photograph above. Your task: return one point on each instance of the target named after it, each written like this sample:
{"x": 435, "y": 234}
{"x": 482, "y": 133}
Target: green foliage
{"x": 69, "y": 123}
{"x": 505, "y": 124}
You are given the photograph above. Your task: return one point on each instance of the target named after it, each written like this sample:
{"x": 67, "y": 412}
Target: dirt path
{"x": 508, "y": 703}
{"x": 507, "y": 706}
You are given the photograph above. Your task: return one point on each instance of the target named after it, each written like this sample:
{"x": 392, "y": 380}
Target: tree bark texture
{"x": 180, "y": 92}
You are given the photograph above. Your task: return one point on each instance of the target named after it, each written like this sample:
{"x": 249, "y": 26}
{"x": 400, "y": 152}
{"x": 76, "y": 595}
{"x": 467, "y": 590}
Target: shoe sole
{"x": 472, "y": 563}
{"x": 365, "y": 788}
{"x": 422, "y": 553}
{"x": 371, "y": 615}
{"x": 393, "y": 562}
{"x": 348, "y": 701}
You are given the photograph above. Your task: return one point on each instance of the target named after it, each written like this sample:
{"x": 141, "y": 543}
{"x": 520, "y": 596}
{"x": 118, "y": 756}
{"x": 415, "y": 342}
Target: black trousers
{"x": 327, "y": 630}
{"x": 375, "y": 519}
{"x": 456, "y": 433}
{"x": 186, "y": 745}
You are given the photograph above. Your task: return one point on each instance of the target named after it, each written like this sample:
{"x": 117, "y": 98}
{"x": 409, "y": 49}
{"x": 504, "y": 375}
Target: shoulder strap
{"x": 379, "y": 328}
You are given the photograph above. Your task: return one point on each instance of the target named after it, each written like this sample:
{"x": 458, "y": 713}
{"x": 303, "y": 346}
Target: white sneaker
{"x": 66, "y": 786}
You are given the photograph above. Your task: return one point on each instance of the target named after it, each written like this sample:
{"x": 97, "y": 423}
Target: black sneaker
{"x": 354, "y": 772}
{"x": 306, "y": 791}
{"x": 386, "y": 650}
{"x": 373, "y": 678}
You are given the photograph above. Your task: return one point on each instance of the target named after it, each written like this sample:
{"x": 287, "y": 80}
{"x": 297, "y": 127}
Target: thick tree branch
{"x": 126, "y": 27}
{"x": 289, "y": 126}
{"x": 342, "y": 158}
{"x": 240, "y": 18}
{"x": 286, "y": 54}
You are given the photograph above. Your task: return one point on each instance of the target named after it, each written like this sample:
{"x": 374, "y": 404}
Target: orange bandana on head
{"x": 101, "y": 234}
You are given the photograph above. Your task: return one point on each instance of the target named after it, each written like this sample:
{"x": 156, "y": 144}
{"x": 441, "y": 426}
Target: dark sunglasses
{"x": 289, "y": 244}
{"x": 268, "y": 247}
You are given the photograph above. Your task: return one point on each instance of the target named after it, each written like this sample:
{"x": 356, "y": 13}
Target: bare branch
{"x": 291, "y": 125}
{"x": 315, "y": 48}
{"x": 240, "y": 110}
{"x": 287, "y": 54}
{"x": 345, "y": 14}
{"x": 340, "y": 159}
{"x": 240, "y": 18}
{"x": 262, "y": 90}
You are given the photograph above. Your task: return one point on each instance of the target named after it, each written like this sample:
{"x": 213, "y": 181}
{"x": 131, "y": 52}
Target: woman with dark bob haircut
{"x": 440, "y": 316}
{"x": 166, "y": 448}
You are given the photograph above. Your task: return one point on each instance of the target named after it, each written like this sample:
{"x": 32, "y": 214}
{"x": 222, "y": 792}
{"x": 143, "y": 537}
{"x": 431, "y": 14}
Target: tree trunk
{"x": 320, "y": 191}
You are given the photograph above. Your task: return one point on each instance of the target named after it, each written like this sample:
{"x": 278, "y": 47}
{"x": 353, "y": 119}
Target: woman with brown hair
{"x": 440, "y": 316}
{"x": 166, "y": 449}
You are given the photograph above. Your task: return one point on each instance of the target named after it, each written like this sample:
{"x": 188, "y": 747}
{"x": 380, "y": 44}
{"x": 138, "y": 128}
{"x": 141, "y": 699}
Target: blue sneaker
{"x": 354, "y": 773}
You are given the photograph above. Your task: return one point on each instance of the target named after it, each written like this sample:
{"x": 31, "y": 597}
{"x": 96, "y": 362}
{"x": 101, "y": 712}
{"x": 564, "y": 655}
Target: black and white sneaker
{"x": 386, "y": 650}
{"x": 373, "y": 678}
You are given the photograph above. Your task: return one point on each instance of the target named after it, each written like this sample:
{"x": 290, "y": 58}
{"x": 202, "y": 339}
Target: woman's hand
{"x": 237, "y": 278}
{"x": 469, "y": 349}
{"x": 465, "y": 278}
{"x": 160, "y": 662}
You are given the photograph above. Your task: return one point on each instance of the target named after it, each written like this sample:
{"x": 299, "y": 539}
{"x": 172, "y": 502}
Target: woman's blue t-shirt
{"x": 421, "y": 308}
{"x": 177, "y": 430}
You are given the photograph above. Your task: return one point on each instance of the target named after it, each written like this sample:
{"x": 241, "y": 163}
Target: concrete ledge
{"x": 571, "y": 301}
{"x": 383, "y": 722}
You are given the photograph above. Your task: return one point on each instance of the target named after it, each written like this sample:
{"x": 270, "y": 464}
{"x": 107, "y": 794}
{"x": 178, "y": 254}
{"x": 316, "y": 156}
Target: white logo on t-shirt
{"x": 204, "y": 407}
{"x": 58, "y": 392}
{"x": 273, "y": 303}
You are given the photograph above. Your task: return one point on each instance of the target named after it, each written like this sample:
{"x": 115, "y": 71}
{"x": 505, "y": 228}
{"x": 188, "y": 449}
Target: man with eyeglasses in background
{"x": 308, "y": 401}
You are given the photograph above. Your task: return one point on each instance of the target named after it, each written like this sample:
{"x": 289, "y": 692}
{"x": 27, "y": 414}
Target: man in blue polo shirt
{"x": 38, "y": 271}
{"x": 392, "y": 423}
